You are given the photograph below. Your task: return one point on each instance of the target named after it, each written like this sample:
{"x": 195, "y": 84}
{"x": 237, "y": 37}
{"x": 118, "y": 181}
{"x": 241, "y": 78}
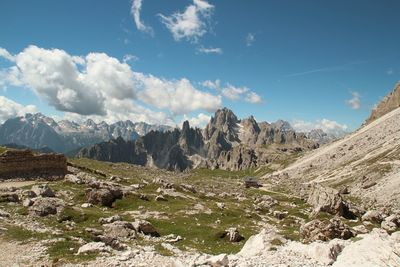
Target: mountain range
{"x": 226, "y": 143}
{"x": 38, "y": 131}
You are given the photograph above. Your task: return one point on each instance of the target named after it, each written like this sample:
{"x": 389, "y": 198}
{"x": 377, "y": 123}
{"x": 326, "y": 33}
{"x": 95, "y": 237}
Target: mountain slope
{"x": 389, "y": 103}
{"x": 367, "y": 161}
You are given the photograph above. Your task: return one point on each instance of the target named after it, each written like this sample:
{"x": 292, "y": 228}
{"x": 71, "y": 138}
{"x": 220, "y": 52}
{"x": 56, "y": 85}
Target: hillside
{"x": 367, "y": 162}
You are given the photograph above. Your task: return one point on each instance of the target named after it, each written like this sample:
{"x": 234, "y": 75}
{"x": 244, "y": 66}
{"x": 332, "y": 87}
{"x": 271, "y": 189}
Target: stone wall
{"x": 24, "y": 163}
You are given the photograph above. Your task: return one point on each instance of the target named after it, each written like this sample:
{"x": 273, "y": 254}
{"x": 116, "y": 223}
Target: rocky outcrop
{"x": 328, "y": 200}
{"x": 325, "y": 230}
{"x": 389, "y": 103}
{"x": 17, "y": 163}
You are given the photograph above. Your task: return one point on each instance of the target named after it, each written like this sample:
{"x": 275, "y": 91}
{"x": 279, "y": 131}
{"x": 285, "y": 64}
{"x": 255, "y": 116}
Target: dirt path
{"x": 263, "y": 188}
{"x": 17, "y": 184}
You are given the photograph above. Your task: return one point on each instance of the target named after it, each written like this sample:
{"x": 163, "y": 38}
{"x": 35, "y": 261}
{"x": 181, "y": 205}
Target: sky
{"x": 316, "y": 64}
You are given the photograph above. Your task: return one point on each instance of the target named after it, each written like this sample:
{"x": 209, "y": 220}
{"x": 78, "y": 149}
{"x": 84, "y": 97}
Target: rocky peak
{"x": 282, "y": 126}
{"x": 225, "y": 121}
{"x": 389, "y": 103}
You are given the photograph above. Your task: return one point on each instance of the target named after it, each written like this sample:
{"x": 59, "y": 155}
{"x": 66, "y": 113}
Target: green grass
{"x": 18, "y": 233}
{"x": 65, "y": 251}
{"x": 2, "y": 149}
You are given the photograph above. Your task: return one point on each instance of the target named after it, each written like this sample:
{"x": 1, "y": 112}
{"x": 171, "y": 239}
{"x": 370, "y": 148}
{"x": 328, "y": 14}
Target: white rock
{"x": 219, "y": 260}
{"x": 94, "y": 247}
{"x": 87, "y": 205}
{"x": 321, "y": 252}
{"x": 257, "y": 244}
{"x": 377, "y": 249}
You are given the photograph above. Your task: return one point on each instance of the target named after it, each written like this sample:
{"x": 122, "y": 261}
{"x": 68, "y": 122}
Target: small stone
{"x": 87, "y": 205}
{"x": 160, "y": 198}
{"x": 93, "y": 247}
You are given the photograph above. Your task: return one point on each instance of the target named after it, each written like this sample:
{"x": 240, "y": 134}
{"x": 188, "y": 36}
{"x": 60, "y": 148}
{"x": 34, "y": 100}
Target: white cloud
{"x": 10, "y": 109}
{"x": 355, "y": 101}
{"x": 212, "y": 84}
{"x": 129, "y": 57}
{"x": 101, "y": 86}
{"x": 253, "y": 98}
{"x": 179, "y": 96}
{"x": 233, "y": 93}
{"x": 250, "y": 39}
{"x": 199, "y": 121}
{"x": 5, "y": 54}
{"x": 192, "y": 23}
{"x": 210, "y": 50}
{"x": 328, "y": 126}
{"x": 135, "y": 11}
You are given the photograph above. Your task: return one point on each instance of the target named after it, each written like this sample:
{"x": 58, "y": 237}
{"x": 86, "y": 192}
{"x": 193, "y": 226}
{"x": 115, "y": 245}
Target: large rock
{"x": 259, "y": 243}
{"x": 233, "y": 235}
{"x": 94, "y": 247}
{"x": 389, "y": 103}
{"x": 43, "y": 190}
{"x": 327, "y": 200}
{"x": 119, "y": 230}
{"x": 103, "y": 196}
{"x": 145, "y": 227}
{"x": 377, "y": 249}
{"x": 325, "y": 230}
{"x": 46, "y": 206}
{"x": 372, "y": 216}
{"x": 8, "y": 197}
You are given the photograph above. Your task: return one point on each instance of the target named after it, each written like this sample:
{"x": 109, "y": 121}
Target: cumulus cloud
{"x": 101, "y": 86}
{"x": 233, "y": 93}
{"x": 355, "y": 101}
{"x": 199, "y": 121}
{"x": 210, "y": 50}
{"x": 179, "y": 96}
{"x": 192, "y": 23}
{"x": 328, "y": 126}
{"x": 250, "y": 38}
{"x": 5, "y": 54}
{"x": 253, "y": 98}
{"x": 135, "y": 11}
{"x": 10, "y": 109}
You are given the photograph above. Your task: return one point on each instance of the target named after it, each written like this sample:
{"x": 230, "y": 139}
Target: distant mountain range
{"x": 38, "y": 131}
{"x": 226, "y": 142}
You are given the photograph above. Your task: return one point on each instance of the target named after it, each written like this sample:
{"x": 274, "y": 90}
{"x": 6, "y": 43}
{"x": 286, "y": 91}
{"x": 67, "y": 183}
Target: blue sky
{"x": 313, "y": 63}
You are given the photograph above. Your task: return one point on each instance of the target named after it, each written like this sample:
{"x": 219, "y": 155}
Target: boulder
{"x": 72, "y": 178}
{"x": 103, "y": 196}
{"x": 325, "y": 230}
{"x": 389, "y": 226}
{"x": 145, "y": 227}
{"x": 233, "y": 235}
{"x": 160, "y": 198}
{"x": 119, "y": 230}
{"x": 27, "y": 202}
{"x": 4, "y": 214}
{"x": 361, "y": 229}
{"x": 328, "y": 200}
{"x": 93, "y": 247}
{"x": 372, "y": 216}
{"x": 394, "y": 218}
{"x": 111, "y": 219}
{"x": 259, "y": 243}
{"x": 43, "y": 190}
{"x": 264, "y": 203}
{"x": 8, "y": 197}
{"x": 46, "y": 206}
{"x": 377, "y": 248}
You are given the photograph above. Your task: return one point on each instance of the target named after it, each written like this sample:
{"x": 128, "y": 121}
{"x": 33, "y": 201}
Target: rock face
{"x": 226, "y": 143}
{"x": 389, "y": 103}
{"x": 15, "y": 163}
